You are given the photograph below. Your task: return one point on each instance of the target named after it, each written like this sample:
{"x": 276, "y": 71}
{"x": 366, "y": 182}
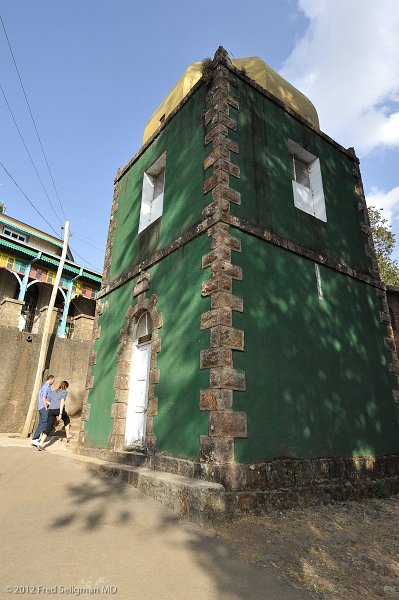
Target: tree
{"x": 384, "y": 243}
{"x": 2, "y": 208}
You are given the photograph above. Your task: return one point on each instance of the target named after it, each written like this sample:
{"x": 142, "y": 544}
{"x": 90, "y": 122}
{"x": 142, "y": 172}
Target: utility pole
{"x": 43, "y": 348}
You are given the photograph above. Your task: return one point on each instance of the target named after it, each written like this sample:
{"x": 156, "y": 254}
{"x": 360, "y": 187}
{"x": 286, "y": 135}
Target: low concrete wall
{"x": 66, "y": 359}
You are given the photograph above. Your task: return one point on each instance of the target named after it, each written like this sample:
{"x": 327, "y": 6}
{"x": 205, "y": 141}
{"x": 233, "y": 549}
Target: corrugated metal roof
{"x": 48, "y": 259}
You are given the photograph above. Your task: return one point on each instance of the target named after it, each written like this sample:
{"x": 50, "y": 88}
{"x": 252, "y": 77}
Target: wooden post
{"x": 27, "y": 429}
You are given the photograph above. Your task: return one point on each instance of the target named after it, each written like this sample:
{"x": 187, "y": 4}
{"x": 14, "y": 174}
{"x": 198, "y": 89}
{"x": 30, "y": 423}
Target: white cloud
{"x": 388, "y": 202}
{"x": 347, "y": 64}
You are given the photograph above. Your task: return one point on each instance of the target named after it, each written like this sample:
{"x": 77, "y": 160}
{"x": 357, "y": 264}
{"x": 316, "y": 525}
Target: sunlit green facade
{"x": 317, "y": 371}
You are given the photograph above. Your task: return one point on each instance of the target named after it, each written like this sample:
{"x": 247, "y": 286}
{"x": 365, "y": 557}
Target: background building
{"x": 243, "y": 333}
{"x": 29, "y": 259}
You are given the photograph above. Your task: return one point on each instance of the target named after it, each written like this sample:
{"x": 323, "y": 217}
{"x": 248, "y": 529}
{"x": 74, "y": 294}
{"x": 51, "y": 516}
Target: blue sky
{"x": 95, "y": 70}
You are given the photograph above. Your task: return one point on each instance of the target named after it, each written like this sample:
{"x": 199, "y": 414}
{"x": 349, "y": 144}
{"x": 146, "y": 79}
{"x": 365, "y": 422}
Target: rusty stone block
{"x": 395, "y": 394}
{"x": 209, "y": 115}
{"x": 118, "y": 410}
{"x": 92, "y": 358}
{"x": 214, "y": 180}
{"x": 228, "y": 424}
{"x": 220, "y": 253}
{"x": 219, "y": 129}
{"x": 218, "y": 152}
{"x": 217, "y": 316}
{"x": 221, "y": 267}
{"x": 365, "y": 228}
{"x": 121, "y": 382}
{"x": 358, "y": 189}
{"x": 225, "y": 120}
{"x": 121, "y": 395}
{"x": 85, "y": 412}
{"x": 389, "y": 344}
{"x": 119, "y": 426}
{"x": 221, "y": 238}
{"x": 141, "y": 287}
{"x": 246, "y": 501}
{"x": 152, "y": 407}
{"x": 216, "y": 450}
{"x": 216, "y": 284}
{"x": 220, "y": 226}
{"x": 226, "y": 377}
{"x": 154, "y": 376}
{"x": 215, "y": 209}
{"x": 216, "y": 357}
{"x": 223, "y": 140}
{"x": 227, "y": 337}
{"x": 216, "y": 399}
{"x": 156, "y": 342}
{"x": 394, "y": 368}
{"x": 223, "y": 165}
{"x": 224, "y": 299}
{"x": 221, "y": 106}
{"x": 385, "y": 318}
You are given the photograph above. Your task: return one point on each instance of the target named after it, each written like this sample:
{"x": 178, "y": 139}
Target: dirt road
{"x": 67, "y": 532}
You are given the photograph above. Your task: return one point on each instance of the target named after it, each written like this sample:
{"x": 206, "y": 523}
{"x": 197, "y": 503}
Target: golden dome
{"x": 257, "y": 70}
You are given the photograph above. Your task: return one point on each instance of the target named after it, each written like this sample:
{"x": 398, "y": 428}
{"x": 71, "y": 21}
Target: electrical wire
{"x": 29, "y": 154}
{"x": 33, "y": 120}
{"x": 84, "y": 240}
{"x": 84, "y": 260}
{"x": 29, "y": 200}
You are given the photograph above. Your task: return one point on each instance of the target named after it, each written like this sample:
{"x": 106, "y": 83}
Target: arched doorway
{"x": 136, "y": 413}
{"x": 28, "y": 311}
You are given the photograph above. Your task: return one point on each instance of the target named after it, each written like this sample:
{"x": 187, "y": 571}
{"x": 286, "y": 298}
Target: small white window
{"x": 152, "y": 194}
{"x": 15, "y": 235}
{"x": 307, "y": 183}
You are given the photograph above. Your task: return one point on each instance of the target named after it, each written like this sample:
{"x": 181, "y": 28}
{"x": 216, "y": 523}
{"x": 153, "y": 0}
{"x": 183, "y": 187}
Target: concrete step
{"x": 200, "y": 501}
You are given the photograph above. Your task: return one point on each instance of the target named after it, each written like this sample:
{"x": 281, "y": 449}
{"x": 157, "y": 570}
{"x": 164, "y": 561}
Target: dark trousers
{"x": 41, "y": 426}
{"x": 52, "y": 418}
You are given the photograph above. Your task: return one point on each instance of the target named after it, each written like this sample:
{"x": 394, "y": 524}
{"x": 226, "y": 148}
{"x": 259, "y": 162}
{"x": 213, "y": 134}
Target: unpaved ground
{"x": 343, "y": 551}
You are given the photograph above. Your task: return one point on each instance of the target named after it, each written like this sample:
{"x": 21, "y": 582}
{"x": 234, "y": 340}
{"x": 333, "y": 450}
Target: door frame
{"x": 131, "y": 404}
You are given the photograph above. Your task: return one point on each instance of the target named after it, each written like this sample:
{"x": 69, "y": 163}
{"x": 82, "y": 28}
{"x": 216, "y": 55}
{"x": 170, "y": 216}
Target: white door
{"x": 138, "y": 395}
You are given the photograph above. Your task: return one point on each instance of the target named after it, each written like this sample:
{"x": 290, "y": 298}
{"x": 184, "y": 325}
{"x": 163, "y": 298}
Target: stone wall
{"x": 19, "y": 352}
{"x": 8, "y": 284}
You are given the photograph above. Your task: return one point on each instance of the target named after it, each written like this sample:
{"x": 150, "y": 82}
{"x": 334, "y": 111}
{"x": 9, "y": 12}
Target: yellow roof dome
{"x": 257, "y": 70}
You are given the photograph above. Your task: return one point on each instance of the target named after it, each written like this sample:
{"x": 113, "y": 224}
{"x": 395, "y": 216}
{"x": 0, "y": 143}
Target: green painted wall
{"x": 266, "y": 188}
{"x": 316, "y": 370}
{"x": 184, "y": 200}
{"x": 176, "y": 281}
{"x": 101, "y": 397}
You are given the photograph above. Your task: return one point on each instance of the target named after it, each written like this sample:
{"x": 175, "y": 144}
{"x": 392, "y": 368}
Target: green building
{"x": 243, "y": 333}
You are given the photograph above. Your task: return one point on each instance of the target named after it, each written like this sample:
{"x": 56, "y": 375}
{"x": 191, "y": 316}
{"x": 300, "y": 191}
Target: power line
{"x": 44, "y": 218}
{"x": 85, "y": 241}
{"x": 33, "y": 120}
{"x": 29, "y": 200}
{"x": 26, "y": 148}
{"x": 81, "y": 258}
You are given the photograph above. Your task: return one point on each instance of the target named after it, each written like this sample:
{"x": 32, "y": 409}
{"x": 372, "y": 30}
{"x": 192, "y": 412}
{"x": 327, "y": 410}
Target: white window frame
{"x": 152, "y": 193}
{"x": 15, "y": 235}
{"x": 309, "y": 199}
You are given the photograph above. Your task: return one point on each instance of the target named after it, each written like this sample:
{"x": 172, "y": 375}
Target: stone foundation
{"x": 274, "y": 485}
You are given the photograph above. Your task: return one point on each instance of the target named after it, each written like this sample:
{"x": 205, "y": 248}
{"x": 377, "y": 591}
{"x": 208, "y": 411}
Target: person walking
{"x": 56, "y": 412}
{"x": 42, "y": 407}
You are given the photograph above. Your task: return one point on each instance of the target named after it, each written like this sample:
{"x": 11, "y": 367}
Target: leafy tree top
{"x": 384, "y": 244}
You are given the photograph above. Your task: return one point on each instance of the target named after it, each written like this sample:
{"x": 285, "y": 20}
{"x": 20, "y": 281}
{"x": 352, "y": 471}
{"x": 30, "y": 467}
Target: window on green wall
{"x": 152, "y": 193}
{"x": 307, "y": 184}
